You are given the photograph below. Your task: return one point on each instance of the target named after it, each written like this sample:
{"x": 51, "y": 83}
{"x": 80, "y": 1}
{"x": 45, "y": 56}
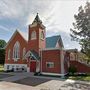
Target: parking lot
{"x": 22, "y": 81}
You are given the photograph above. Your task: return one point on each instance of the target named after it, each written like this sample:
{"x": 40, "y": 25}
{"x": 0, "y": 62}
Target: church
{"x": 37, "y": 53}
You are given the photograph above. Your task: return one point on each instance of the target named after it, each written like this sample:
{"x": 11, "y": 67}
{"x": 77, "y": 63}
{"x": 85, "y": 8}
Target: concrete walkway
{"x": 13, "y": 86}
{"x": 53, "y": 84}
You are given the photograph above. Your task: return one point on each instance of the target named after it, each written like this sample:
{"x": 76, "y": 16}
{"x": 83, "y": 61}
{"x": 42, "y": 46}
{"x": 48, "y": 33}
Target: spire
{"x": 37, "y": 19}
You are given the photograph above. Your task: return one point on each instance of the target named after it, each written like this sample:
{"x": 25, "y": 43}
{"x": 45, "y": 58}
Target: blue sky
{"x": 57, "y": 16}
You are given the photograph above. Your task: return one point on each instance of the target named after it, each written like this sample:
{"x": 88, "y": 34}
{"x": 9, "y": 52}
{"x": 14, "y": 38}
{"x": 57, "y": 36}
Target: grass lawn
{"x": 81, "y": 78}
{"x": 1, "y": 68}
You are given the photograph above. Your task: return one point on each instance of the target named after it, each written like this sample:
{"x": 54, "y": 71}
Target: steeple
{"x": 37, "y": 20}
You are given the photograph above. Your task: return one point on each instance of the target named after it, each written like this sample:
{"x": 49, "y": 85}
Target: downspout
{"x": 41, "y": 61}
{"x": 28, "y": 65}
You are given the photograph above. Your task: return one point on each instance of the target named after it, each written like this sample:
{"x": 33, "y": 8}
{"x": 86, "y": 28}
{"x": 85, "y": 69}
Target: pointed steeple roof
{"x": 37, "y": 19}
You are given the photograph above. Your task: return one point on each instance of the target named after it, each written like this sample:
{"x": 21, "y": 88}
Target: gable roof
{"x": 20, "y": 33}
{"x": 52, "y": 41}
{"x": 36, "y": 55}
{"x": 32, "y": 53}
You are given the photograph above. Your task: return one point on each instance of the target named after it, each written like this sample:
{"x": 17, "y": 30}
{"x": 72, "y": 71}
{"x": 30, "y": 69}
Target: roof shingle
{"x": 51, "y": 41}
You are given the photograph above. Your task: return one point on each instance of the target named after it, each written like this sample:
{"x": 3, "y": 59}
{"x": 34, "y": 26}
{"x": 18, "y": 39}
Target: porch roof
{"x": 33, "y": 54}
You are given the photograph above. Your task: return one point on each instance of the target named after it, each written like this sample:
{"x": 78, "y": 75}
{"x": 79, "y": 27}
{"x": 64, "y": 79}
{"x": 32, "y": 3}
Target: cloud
{"x": 57, "y": 15}
{"x": 4, "y": 28}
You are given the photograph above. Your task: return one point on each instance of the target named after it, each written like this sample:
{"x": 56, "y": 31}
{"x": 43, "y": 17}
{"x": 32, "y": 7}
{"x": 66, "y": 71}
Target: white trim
{"x": 32, "y": 60}
{"x": 16, "y": 50}
{"x": 62, "y": 63}
{"x": 42, "y": 35}
{"x": 51, "y": 63}
{"x": 57, "y": 45}
{"x": 53, "y": 74}
{"x": 16, "y": 59}
{"x": 45, "y": 49}
{"x": 38, "y": 66}
{"x": 33, "y": 25}
{"x": 15, "y": 66}
{"x": 33, "y": 35}
{"x": 14, "y": 34}
{"x": 28, "y": 69}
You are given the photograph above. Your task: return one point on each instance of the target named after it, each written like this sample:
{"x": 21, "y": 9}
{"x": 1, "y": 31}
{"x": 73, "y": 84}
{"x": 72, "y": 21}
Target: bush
{"x": 37, "y": 73}
{"x": 72, "y": 70}
{"x": 2, "y": 56}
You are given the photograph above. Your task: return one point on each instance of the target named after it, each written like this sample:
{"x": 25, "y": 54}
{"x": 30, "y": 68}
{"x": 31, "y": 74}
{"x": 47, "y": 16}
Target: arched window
{"x": 24, "y": 51}
{"x": 9, "y": 52}
{"x": 42, "y": 35}
{"x": 16, "y": 51}
{"x": 33, "y": 35}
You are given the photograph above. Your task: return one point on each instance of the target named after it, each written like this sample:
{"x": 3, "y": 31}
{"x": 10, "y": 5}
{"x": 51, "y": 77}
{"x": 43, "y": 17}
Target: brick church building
{"x": 38, "y": 53}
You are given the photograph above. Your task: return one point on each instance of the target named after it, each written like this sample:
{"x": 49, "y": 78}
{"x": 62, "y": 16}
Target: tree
{"x": 2, "y": 44}
{"x": 81, "y": 29}
{"x": 2, "y": 56}
{"x": 2, "y": 51}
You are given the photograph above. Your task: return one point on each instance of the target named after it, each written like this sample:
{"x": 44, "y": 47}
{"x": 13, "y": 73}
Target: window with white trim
{"x": 50, "y": 64}
{"x": 24, "y": 52}
{"x": 42, "y": 35}
{"x": 9, "y": 52}
{"x": 33, "y": 35}
{"x": 16, "y": 51}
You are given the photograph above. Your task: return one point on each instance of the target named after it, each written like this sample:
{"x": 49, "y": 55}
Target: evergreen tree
{"x": 81, "y": 29}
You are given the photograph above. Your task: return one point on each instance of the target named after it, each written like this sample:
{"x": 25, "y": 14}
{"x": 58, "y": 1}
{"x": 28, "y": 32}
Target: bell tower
{"x": 37, "y": 35}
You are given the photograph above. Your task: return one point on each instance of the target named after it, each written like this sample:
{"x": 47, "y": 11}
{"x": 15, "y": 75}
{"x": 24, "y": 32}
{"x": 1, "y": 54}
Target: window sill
{"x": 42, "y": 39}
{"x": 33, "y": 38}
{"x": 16, "y": 59}
{"x": 8, "y": 58}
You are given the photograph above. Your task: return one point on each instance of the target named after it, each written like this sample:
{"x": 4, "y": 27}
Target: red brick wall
{"x": 51, "y": 56}
{"x": 80, "y": 67}
{"x": 42, "y": 42}
{"x": 66, "y": 61}
{"x": 37, "y": 43}
{"x": 23, "y": 44}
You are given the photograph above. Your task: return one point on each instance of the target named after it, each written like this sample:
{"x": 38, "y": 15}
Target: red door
{"x": 32, "y": 66}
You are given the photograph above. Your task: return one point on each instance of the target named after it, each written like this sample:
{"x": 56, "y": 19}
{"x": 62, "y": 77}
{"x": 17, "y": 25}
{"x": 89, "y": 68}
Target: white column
{"x": 5, "y": 67}
{"x": 28, "y": 69}
{"x": 62, "y": 63}
{"x": 37, "y": 66}
{"x": 28, "y": 66}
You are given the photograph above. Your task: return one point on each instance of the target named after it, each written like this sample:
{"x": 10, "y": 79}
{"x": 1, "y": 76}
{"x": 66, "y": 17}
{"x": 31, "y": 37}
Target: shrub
{"x": 2, "y": 56}
{"x": 72, "y": 70}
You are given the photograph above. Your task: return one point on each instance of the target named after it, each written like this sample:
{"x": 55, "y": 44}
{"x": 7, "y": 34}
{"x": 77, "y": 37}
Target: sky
{"x": 56, "y": 15}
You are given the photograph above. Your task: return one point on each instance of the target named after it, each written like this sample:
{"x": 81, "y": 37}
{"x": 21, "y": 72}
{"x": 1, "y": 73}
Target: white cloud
{"x": 57, "y": 15}
{"x": 4, "y": 28}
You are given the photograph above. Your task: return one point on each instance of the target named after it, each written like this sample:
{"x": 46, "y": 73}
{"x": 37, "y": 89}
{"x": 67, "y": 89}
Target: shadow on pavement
{"x": 76, "y": 86}
{"x": 31, "y": 81}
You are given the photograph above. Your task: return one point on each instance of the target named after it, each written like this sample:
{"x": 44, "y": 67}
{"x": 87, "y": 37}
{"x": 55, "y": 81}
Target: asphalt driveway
{"x": 4, "y": 75}
{"x": 52, "y": 84}
{"x": 32, "y": 81}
